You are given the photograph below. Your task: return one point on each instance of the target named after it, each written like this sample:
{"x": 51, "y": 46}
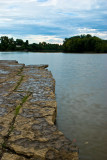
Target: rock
{"x": 10, "y": 156}
{"x": 28, "y": 113}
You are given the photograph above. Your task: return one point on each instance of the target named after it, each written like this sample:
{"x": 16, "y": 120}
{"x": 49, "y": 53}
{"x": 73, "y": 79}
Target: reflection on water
{"x": 81, "y": 92}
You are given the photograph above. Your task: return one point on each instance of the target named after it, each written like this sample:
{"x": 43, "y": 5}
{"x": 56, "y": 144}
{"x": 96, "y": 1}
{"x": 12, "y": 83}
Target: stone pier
{"x": 27, "y": 115}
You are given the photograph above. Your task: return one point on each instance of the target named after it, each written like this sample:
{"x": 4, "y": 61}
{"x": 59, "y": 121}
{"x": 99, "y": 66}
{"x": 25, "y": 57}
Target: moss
{"x": 21, "y": 104}
{"x": 19, "y": 82}
{"x": 24, "y": 99}
{"x": 17, "y": 110}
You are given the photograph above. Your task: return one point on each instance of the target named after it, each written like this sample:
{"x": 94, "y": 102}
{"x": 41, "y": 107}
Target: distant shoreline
{"x": 77, "y": 44}
{"x": 55, "y": 52}
{"x": 35, "y": 51}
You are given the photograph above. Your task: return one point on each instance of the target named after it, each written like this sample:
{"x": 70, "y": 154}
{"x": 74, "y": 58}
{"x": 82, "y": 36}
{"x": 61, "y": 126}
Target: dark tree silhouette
{"x": 85, "y": 43}
{"x": 9, "y": 44}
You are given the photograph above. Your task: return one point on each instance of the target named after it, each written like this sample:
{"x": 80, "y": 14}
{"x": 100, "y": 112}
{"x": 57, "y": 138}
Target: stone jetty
{"x": 27, "y": 115}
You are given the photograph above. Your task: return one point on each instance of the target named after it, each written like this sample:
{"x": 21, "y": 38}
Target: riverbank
{"x": 27, "y": 115}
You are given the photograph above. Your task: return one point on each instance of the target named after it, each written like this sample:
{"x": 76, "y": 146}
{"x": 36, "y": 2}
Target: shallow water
{"x": 81, "y": 93}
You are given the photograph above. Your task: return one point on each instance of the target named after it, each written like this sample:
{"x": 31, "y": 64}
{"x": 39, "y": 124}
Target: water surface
{"x": 81, "y": 93}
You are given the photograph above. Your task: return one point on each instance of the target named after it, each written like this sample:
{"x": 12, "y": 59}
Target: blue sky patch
{"x": 56, "y": 19}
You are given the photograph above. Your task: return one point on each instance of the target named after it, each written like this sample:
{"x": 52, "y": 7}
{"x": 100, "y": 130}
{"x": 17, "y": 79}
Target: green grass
{"x": 24, "y": 99}
{"x": 21, "y": 104}
{"x": 17, "y": 110}
{"x": 19, "y": 82}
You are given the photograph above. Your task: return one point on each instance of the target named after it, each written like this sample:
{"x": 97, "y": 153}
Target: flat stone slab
{"x": 28, "y": 113}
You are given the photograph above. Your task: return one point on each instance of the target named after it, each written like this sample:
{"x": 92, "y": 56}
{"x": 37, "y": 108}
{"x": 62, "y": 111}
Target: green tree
{"x": 85, "y": 43}
{"x": 4, "y": 43}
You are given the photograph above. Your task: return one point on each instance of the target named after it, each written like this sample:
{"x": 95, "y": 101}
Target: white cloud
{"x": 42, "y": 38}
{"x": 102, "y": 35}
{"x": 48, "y": 3}
{"x": 8, "y": 35}
{"x": 36, "y": 38}
{"x": 86, "y": 30}
{"x": 4, "y": 20}
{"x": 67, "y": 15}
{"x": 93, "y": 32}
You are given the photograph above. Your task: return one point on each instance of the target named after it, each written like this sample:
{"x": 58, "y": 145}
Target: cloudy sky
{"x": 52, "y": 20}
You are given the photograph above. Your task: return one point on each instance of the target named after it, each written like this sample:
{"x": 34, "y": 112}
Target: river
{"x": 81, "y": 93}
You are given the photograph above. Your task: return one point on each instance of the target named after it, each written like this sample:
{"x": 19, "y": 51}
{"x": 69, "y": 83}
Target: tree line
{"x": 76, "y": 44}
{"x": 84, "y": 44}
{"x": 9, "y": 44}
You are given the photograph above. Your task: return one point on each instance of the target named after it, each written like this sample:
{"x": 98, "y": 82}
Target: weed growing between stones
{"x": 19, "y": 82}
{"x": 17, "y": 110}
{"x": 21, "y": 104}
{"x": 4, "y": 145}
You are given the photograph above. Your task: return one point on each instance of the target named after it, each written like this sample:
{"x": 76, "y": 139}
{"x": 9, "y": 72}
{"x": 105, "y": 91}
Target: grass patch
{"x": 17, "y": 110}
{"x": 19, "y": 82}
{"x": 21, "y": 104}
{"x": 24, "y": 99}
